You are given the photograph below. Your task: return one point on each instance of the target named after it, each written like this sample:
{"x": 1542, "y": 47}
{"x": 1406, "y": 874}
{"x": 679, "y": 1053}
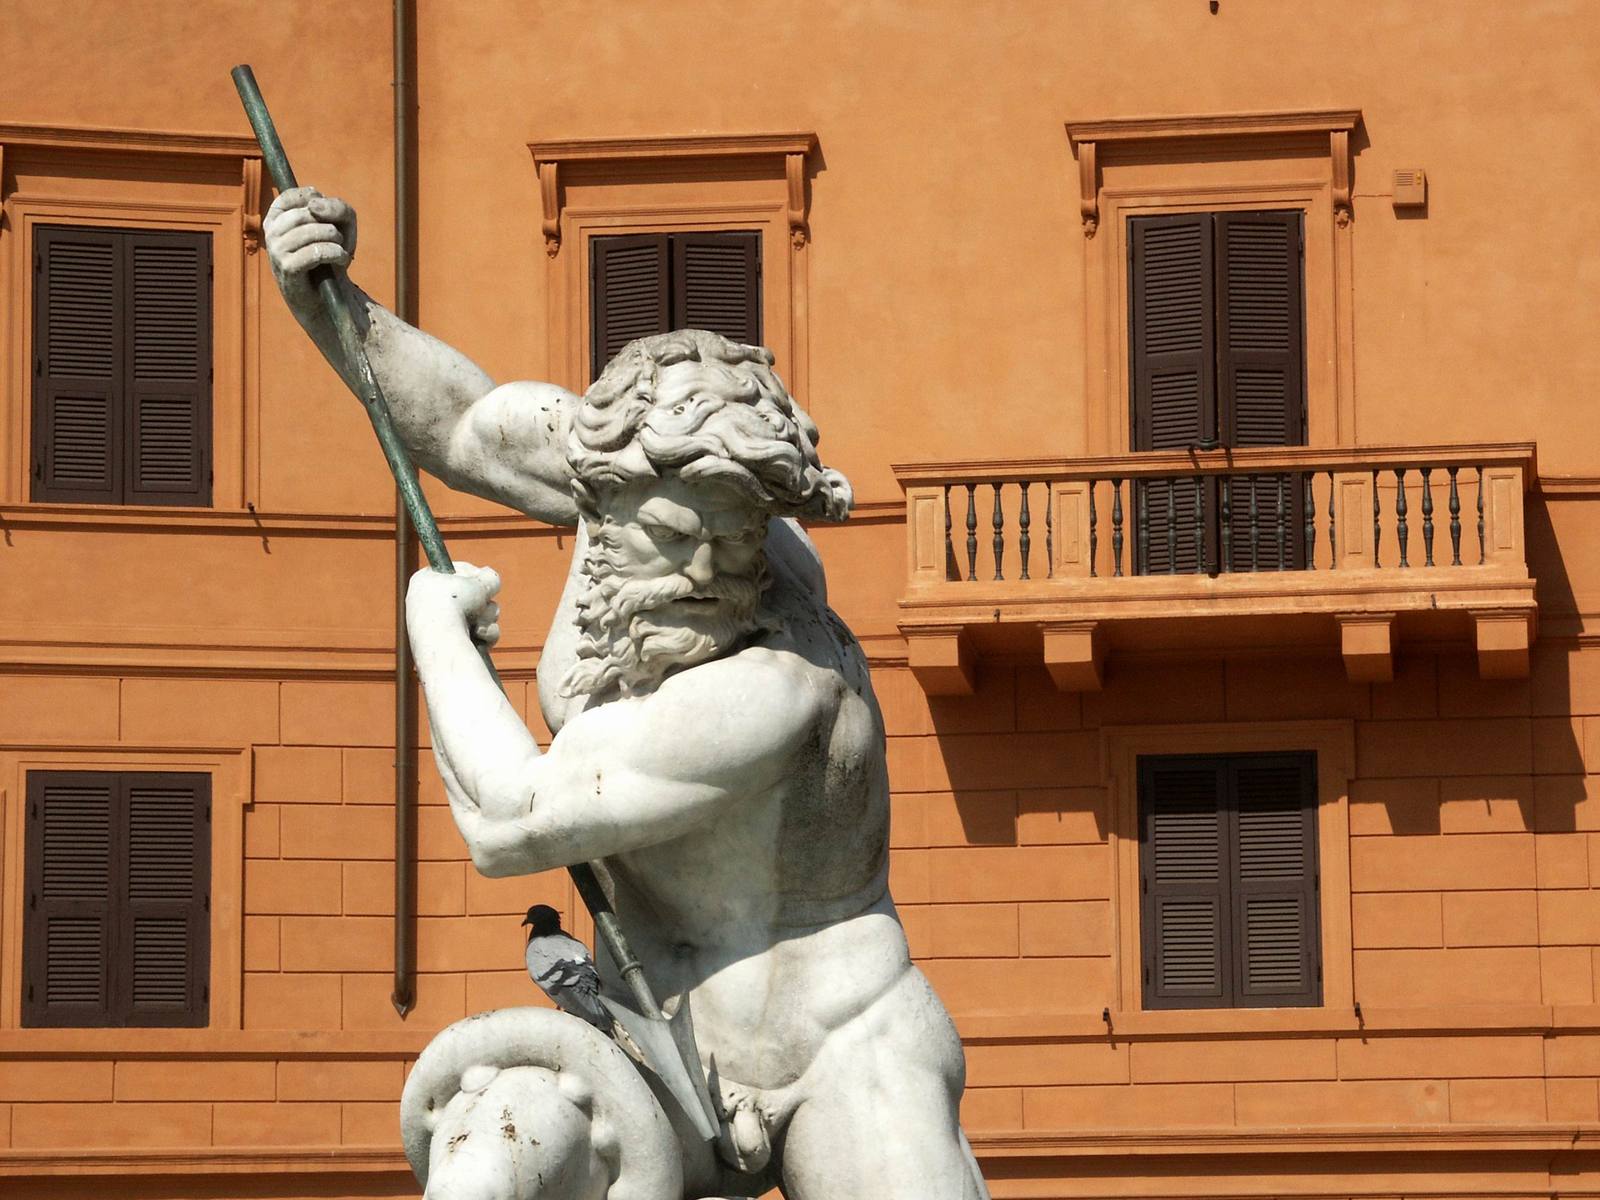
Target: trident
{"x": 667, "y": 1042}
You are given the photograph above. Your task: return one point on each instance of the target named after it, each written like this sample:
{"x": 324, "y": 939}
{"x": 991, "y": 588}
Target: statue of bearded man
{"x": 717, "y": 745}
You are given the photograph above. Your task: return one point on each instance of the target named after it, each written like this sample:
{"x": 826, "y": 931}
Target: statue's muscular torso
{"x": 776, "y": 916}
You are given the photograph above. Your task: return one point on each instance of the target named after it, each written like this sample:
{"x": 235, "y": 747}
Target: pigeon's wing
{"x": 562, "y": 968}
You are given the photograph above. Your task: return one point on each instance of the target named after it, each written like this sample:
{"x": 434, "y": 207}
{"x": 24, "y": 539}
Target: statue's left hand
{"x": 466, "y": 596}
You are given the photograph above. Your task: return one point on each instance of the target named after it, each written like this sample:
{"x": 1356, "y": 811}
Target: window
{"x": 595, "y": 190}
{"x": 1216, "y": 356}
{"x": 650, "y": 283}
{"x": 1221, "y": 163}
{"x": 1228, "y": 881}
{"x": 122, "y": 366}
{"x": 116, "y": 927}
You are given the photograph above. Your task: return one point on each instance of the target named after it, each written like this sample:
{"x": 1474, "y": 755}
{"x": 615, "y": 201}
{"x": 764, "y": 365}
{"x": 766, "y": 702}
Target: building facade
{"x": 1214, "y": 396}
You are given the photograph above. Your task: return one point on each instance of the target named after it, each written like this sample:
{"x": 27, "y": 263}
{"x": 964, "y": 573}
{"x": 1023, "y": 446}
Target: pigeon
{"x": 563, "y": 968}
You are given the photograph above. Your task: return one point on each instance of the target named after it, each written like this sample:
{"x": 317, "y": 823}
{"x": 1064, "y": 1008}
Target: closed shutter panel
{"x": 1260, "y": 373}
{"x": 169, "y": 384}
{"x": 78, "y": 366}
{"x": 69, "y": 937}
{"x": 1185, "y": 920}
{"x": 1172, "y": 297}
{"x": 118, "y": 882}
{"x": 165, "y": 924}
{"x": 1276, "y": 919}
{"x": 717, "y": 284}
{"x": 628, "y": 285}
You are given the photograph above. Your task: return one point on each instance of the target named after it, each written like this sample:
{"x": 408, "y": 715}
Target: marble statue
{"x": 717, "y": 745}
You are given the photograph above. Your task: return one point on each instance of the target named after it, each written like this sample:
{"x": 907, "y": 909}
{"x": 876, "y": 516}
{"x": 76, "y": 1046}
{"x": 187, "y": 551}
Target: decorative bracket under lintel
{"x": 794, "y": 173}
{"x": 1339, "y": 151}
{"x": 550, "y": 202}
{"x": 1088, "y": 188}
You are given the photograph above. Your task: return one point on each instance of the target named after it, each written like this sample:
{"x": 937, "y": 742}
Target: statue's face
{"x": 697, "y": 532}
{"x": 676, "y": 573}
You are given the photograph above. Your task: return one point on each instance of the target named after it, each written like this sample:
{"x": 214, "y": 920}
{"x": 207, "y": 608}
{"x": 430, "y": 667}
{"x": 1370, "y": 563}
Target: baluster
{"x": 1455, "y": 520}
{"x": 1050, "y": 533}
{"x": 1141, "y": 489}
{"x": 1022, "y": 527}
{"x": 1225, "y": 559}
{"x": 1283, "y": 524}
{"x": 951, "y": 571}
{"x": 1377, "y": 528}
{"x": 1480, "y": 517}
{"x": 1307, "y": 484}
{"x": 1255, "y": 526}
{"x": 972, "y": 532}
{"x": 1094, "y": 531}
{"x": 1172, "y": 527}
{"x": 999, "y": 533}
{"x": 1427, "y": 517}
{"x": 1400, "y": 513}
{"x": 1333, "y": 533}
{"x": 1116, "y": 527}
{"x": 1199, "y": 531}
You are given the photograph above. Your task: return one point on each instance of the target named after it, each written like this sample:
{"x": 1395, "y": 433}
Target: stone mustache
{"x": 718, "y": 747}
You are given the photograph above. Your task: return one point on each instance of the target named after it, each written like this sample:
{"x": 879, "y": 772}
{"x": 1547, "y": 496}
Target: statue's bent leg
{"x": 880, "y": 1113}
{"x": 532, "y": 1104}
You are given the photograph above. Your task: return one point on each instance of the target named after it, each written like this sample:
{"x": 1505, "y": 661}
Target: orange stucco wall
{"x": 946, "y": 316}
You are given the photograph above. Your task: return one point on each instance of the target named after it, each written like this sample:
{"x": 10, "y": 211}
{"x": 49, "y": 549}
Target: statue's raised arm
{"x": 507, "y": 444}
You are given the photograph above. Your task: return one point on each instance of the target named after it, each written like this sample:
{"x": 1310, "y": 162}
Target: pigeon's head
{"x": 542, "y": 920}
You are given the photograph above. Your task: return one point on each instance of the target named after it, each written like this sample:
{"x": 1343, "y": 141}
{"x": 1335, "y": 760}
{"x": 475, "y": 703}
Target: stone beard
{"x": 631, "y": 632}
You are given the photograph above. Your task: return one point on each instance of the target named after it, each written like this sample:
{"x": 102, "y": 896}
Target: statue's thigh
{"x": 890, "y": 1138}
{"x": 880, "y": 1116}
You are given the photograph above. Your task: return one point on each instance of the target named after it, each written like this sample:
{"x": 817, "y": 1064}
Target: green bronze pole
{"x": 358, "y": 375}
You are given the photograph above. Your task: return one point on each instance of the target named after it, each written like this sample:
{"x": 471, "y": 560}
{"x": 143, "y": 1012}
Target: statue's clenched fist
{"x": 468, "y": 595}
{"x": 305, "y": 229}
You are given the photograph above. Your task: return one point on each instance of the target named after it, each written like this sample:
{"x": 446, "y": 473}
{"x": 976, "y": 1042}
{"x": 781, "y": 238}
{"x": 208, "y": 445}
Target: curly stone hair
{"x": 747, "y": 432}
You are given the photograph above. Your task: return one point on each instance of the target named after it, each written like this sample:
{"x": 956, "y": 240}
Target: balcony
{"x": 1361, "y": 547}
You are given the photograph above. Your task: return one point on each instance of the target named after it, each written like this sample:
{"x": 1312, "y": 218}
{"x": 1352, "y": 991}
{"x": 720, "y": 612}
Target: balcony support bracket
{"x": 1074, "y": 654}
{"x": 941, "y": 658}
{"x": 1503, "y": 638}
{"x": 1367, "y": 642}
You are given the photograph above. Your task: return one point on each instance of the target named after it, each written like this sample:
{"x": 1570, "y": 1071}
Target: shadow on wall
{"x": 1019, "y": 762}
{"x": 1551, "y": 762}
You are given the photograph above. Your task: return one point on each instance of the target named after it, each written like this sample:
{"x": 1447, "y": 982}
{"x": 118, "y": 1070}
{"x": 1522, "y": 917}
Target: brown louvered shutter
{"x": 71, "y": 884}
{"x": 628, "y": 285}
{"x": 1276, "y": 918}
{"x": 1261, "y": 378}
{"x": 165, "y": 942}
{"x": 122, "y": 366}
{"x": 1185, "y": 920}
{"x": 1172, "y": 294}
{"x": 1229, "y": 914}
{"x": 716, "y": 284}
{"x": 117, "y": 930}
{"x": 169, "y": 376}
{"x": 78, "y": 365}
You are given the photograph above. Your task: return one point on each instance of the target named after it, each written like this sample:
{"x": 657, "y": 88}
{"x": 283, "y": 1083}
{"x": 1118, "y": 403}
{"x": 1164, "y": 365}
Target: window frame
{"x": 711, "y": 184}
{"x": 1333, "y": 743}
{"x": 229, "y": 769}
{"x": 127, "y": 180}
{"x": 1230, "y": 162}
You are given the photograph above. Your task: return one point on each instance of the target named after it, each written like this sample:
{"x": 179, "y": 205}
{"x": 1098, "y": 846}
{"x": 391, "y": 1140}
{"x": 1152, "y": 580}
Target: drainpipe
{"x": 404, "y": 995}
